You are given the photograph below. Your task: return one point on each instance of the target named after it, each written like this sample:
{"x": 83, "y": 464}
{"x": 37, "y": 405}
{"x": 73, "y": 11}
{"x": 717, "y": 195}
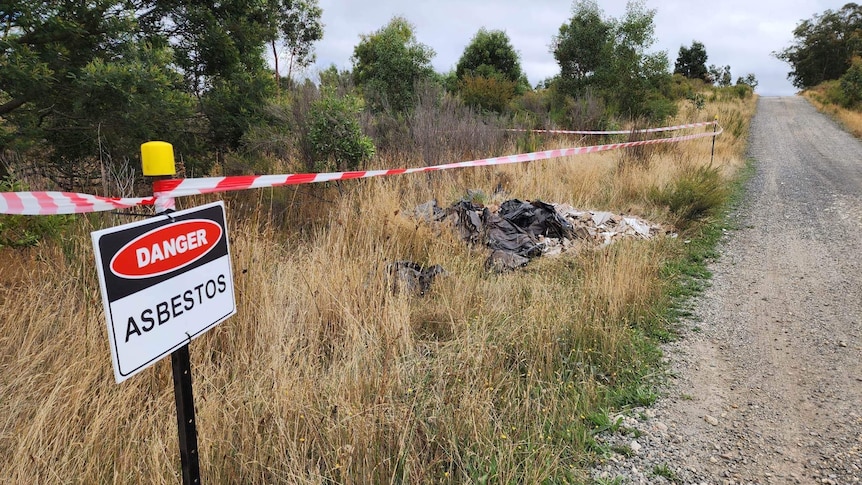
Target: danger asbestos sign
{"x": 164, "y": 282}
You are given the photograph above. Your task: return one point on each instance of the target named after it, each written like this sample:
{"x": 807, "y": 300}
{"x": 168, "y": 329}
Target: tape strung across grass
{"x": 164, "y": 191}
{"x": 52, "y": 203}
{"x": 616, "y": 132}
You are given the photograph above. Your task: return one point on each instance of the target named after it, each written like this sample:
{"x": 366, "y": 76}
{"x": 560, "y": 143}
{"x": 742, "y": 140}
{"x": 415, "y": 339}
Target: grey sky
{"x": 741, "y": 33}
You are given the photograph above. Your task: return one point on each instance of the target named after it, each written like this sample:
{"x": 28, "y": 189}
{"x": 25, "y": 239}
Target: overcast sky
{"x": 741, "y": 33}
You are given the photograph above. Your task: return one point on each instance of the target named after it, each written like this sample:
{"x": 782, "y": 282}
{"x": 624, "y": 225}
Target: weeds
{"x": 601, "y": 422}
{"x": 624, "y": 450}
{"x": 664, "y": 471}
{"x": 698, "y": 192}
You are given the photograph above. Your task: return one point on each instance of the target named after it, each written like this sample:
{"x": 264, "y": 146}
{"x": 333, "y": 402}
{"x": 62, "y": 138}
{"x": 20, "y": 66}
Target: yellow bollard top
{"x": 157, "y": 158}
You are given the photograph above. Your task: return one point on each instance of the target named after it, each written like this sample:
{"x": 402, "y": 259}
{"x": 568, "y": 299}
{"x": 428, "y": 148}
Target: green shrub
{"x": 697, "y": 193}
{"x": 589, "y": 112}
{"x": 487, "y": 93}
{"x": 851, "y": 84}
{"x": 697, "y": 100}
{"x": 335, "y": 134}
{"x": 659, "y": 108}
{"x": 743, "y": 90}
{"x": 832, "y": 93}
{"x": 527, "y": 143}
{"x": 532, "y": 109}
{"x": 23, "y": 231}
{"x": 729, "y": 93}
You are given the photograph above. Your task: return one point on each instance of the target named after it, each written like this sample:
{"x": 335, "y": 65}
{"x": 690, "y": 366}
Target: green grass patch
{"x": 665, "y": 471}
{"x": 698, "y": 193}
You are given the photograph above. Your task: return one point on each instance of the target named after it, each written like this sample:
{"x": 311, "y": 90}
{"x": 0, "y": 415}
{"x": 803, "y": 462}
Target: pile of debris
{"x": 517, "y": 231}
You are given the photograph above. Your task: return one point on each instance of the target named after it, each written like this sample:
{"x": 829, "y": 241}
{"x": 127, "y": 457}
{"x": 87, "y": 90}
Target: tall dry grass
{"x": 850, "y": 119}
{"x": 324, "y": 375}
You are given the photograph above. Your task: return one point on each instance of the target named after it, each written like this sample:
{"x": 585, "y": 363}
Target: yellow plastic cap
{"x": 157, "y": 158}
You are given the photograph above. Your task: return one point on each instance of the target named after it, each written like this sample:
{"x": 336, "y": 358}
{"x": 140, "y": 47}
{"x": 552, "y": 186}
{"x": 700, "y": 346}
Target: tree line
{"x": 826, "y": 50}
{"x": 82, "y": 84}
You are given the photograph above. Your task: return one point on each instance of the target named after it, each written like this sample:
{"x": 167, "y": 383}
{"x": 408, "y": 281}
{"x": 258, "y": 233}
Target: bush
{"x": 697, "y": 193}
{"x": 588, "y": 112}
{"x": 729, "y": 93}
{"x": 833, "y": 93}
{"x": 335, "y": 135}
{"x": 487, "y": 93}
{"x": 682, "y": 87}
{"x": 698, "y": 101}
{"x": 283, "y": 132}
{"x": 659, "y": 108}
{"x": 533, "y": 109}
{"x": 440, "y": 127}
{"x": 851, "y": 85}
{"x": 24, "y": 231}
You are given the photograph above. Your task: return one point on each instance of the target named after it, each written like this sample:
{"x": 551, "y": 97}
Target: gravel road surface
{"x": 767, "y": 378}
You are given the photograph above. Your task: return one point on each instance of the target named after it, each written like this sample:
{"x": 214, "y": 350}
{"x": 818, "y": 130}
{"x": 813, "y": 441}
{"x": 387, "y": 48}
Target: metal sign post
{"x": 186, "y": 425}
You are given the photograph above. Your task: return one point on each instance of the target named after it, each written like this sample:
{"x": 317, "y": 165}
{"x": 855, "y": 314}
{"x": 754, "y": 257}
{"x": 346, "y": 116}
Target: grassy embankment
{"x": 324, "y": 376}
{"x": 823, "y": 98}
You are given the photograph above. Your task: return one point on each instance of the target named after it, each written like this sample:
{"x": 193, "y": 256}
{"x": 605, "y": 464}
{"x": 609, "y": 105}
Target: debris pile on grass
{"x": 412, "y": 277}
{"x": 517, "y": 231}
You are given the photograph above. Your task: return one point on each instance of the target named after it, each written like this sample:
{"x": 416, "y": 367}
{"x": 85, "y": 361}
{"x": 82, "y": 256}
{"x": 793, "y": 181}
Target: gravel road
{"x": 767, "y": 378}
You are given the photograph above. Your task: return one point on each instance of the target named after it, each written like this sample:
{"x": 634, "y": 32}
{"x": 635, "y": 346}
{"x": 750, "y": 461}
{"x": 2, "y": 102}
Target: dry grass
{"x": 324, "y": 376}
{"x": 851, "y": 120}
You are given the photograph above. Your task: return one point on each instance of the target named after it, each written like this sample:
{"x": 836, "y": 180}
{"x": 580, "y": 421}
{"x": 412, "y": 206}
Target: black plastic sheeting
{"x": 412, "y": 277}
{"x": 512, "y": 232}
{"x": 516, "y": 233}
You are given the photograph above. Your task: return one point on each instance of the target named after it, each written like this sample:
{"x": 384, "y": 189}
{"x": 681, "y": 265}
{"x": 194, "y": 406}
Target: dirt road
{"x": 768, "y": 377}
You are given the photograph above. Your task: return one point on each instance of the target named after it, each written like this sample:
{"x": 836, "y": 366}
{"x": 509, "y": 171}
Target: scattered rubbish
{"x": 412, "y": 277}
{"x": 512, "y": 232}
{"x": 502, "y": 261}
{"x": 517, "y": 231}
{"x": 429, "y": 211}
{"x": 606, "y": 227}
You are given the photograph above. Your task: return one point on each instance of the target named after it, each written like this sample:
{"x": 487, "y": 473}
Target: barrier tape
{"x": 617, "y": 132}
{"x": 185, "y": 187}
{"x": 164, "y": 191}
{"x": 50, "y": 203}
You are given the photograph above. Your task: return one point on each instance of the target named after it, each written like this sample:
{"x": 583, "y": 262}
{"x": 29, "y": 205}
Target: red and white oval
{"x": 166, "y": 249}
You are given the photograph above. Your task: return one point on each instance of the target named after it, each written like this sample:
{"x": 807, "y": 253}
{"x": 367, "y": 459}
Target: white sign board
{"x": 164, "y": 281}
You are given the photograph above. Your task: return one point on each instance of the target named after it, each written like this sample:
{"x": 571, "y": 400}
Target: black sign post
{"x": 186, "y": 415}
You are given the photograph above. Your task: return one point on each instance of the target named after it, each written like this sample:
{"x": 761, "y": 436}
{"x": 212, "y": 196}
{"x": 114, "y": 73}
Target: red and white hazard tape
{"x": 185, "y": 187}
{"x": 164, "y": 191}
{"x": 48, "y": 203}
{"x": 617, "y": 132}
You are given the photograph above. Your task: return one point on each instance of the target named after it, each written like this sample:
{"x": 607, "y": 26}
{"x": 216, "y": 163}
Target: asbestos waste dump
{"x": 517, "y": 231}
